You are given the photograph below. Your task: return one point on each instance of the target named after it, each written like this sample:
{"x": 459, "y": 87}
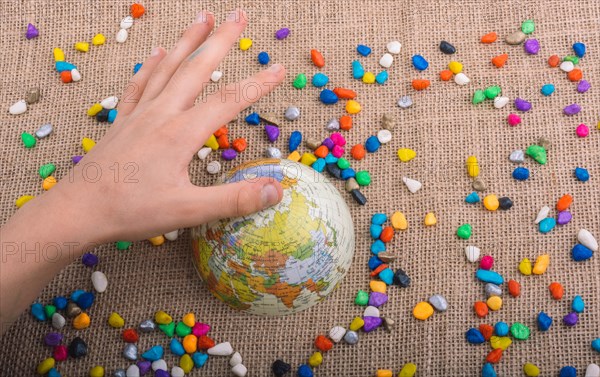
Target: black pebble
{"x": 77, "y": 348}
{"x": 505, "y": 203}
{"x": 334, "y": 170}
{"x": 280, "y": 368}
{"x": 447, "y": 48}
{"x": 401, "y": 278}
{"x": 102, "y": 116}
{"x": 359, "y": 197}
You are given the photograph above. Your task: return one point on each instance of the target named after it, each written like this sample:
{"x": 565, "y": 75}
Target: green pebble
{"x": 169, "y": 329}
{"x": 49, "y": 310}
{"x": 47, "y": 170}
{"x": 122, "y": 245}
{"x": 28, "y": 140}
{"x": 362, "y": 298}
{"x": 478, "y": 97}
{"x": 182, "y": 329}
{"x": 528, "y": 27}
{"x": 571, "y": 58}
{"x": 519, "y": 331}
{"x": 300, "y": 81}
{"x": 342, "y": 163}
{"x": 464, "y": 231}
{"x": 363, "y": 178}
{"x": 492, "y": 92}
{"x": 538, "y": 153}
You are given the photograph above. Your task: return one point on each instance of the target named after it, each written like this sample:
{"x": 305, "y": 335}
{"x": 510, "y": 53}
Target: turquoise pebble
{"x": 374, "y": 262}
{"x": 488, "y": 370}
{"x": 319, "y": 165}
{"x": 547, "y": 225}
{"x": 64, "y": 66}
{"x": 348, "y": 173}
{"x": 596, "y": 344}
{"x": 379, "y": 218}
{"x": 331, "y": 159}
{"x": 382, "y": 77}
{"x": 363, "y": 50}
{"x": 375, "y": 231}
{"x": 75, "y": 295}
{"x": 582, "y": 174}
{"x": 501, "y": 328}
{"x": 419, "y": 62}
{"x": 377, "y": 247}
{"x": 387, "y": 276}
{"x": 547, "y": 89}
{"x": 37, "y": 310}
{"x": 489, "y": 276}
{"x": 53, "y": 373}
{"x": 136, "y": 68}
{"x": 176, "y": 347}
{"x": 304, "y": 371}
{"x": 568, "y": 371}
{"x": 320, "y": 80}
{"x": 112, "y": 115}
{"x": 253, "y": 119}
{"x": 579, "y": 49}
{"x": 264, "y": 58}
{"x": 154, "y": 353}
{"x": 357, "y": 70}
{"x": 578, "y": 305}
{"x": 472, "y": 198}
{"x": 328, "y": 97}
{"x": 199, "y": 359}
{"x": 580, "y": 253}
{"x": 60, "y": 302}
{"x": 544, "y": 321}
{"x": 474, "y": 336}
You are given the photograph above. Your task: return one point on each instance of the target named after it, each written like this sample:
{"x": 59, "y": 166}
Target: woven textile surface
{"x": 442, "y": 126}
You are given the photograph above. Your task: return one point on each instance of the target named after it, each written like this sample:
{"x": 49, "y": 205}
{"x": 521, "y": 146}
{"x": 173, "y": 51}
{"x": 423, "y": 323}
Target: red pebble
{"x": 358, "y": 152}
{"x": 323, "y": 344}
{"x": 317, "y": 58}
{"x": 481, "y": 309}
{"x": 137, "y": 10}
{"x": 66, "y": 77}
{"x": 239, "y": 144}
{"x": 486, "y": 330}
{"x": 130, "y": 336}
{"x": 223, "y": 141}
{"x": 205, "y": 342}
{"x": 500, "y": 60}
{"x": 553, "y": 61}
{"x": 514, "y": 288}
{"x": 494, "y": 356}
{"x": 487, "y": 262}
{"x": 221, "y": 131}
{"x": 387, "y": 234}
{"x": 344, "y": 93}
{"x": 60, "y": 353}
{"x": 564, "y": 203}
{"x": 556, "y": 290}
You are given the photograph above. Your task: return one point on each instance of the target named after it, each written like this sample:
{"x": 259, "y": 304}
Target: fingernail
{"x": 201, "y": 18}
{"x": 155, "y": 51}
{"x": 275, "y": 68}
{"x": 233, "y": 16}
{"x": 269, "y": 195}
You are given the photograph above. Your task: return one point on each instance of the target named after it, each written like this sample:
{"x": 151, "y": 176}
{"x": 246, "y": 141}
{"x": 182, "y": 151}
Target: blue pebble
{"x": 331, "y": 159}
{"x": 544, "y": 321}
{"x": 375, "y": 231}
{"x": 348, "y": 173}
{"x": 374, "y": 262}
{"x": 382, "y": 77}
{"x": 136, "y": 68}
{"x": 37, "y": 310}
{"x": 304, "y": 371}
{"x": 582, "y": 174}
{"x": 547, "y": 225}
{"x": 319, "y": 80}
{"x": 363, "y": 50}
{"x": 387, "y": 276}
{"x": 488, "y": 370}
{"x": 568, "y": 371}
{"x": 199, "y": 359}
{"x": 328, "y": 97}
{"x": 489, "y": 276}
{"x": 112, "y": 115}
{"x": 60, "y": 302}
{"x": 379, "y": 218}
{"x": 580, "y": 253}
{"x": 596, "y": 344}
{"x": 501, "y": 328}
{"x": 75, "y": 295}
{"x": 53, "y": 373}
{"x": 372, "y": 144}
{"x": 579, "y": 49}
{"x": 64, "y": 66}
{"x": 154, "y": 353}
{"x": 85, "y": 300}
{"x": 377, "y": 247}
{"x": 521, "y": 174}
{"x": 419, "y": 62}
{"x": 357, "y": 70}
{"x": 578, "y": 305}
{"x": 253, "y": 119}
{"x": 472, "y": 198}
{"x": 295, "y": 140}
{"x": 319, "y": 165}
{"x": 474, "y": 336}
{"x": 264, "y": 58}
{"x": 547, "y": 89}
{"x": 176, "y": 347}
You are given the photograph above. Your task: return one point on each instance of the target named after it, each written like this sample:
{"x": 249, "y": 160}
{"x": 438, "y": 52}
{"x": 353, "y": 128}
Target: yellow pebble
{"x": 494, "y": 303}
{"x": 82, "y": 321}
{"x": 455, "y": 67}
{"x": 408, "y": 370}
{"x": 190, "y": 343}
{"x": 423, "y": 310}
{"x": 491, "y": 203}
{"x": 45, "y": 366}
{"x": 315, "y": 360}
{"x": 294, "y": 156}
{"x": 472, "y": 166}
{"x": 531, "y": 370}
{"x": 115, "y": 320}
{"x": 405, "y": 154}
{"x": 525, "y": 267}
{"x": 87, "y": 144}
{"x": 378, "y": 286}
{"x": 95, "y": 109}
{"x": 356, "y": 324}
{"x": 98, "y": 39}
{"x": 308, "y": 159}
{"x": 399, "y": 221}
{"x": 97, "y": 371}
{"x": 157, "y": 241}
{"x": 162, "y": 318}
{"x": 212, "y": 143}
{"x": 541, "y": 264}
{"x": 82, "y": 46}
{"x": 189, "y": 320}
{"x": 430, "y": 219}
{"x": 59, "y": 55}
{"x": 368, "y": 78}
{"x": 48, "y": 183}
{"x": 500, "y": 342}
{"x": 186, "y": 363}
{"x": 245, "y": 44}
{"x": 353, "y": 107}
{"x": 384, "y": 373}
{"x": 599, "y": 125}
{"x": 23, "y": 199}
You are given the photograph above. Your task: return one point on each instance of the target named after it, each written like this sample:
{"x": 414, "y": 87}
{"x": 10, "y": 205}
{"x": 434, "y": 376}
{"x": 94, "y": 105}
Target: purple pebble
{"x": 32, "y": 32}
{"x": 532, "y": 46}
{"x": 272, "y": 132}
{"x": 76, "y": 159}
{"x": 144, "y": 366}
{"x": 583, "y": 86}
{"x": 328, "y": 143}
{"x": 229, "y": 154}
{"x": 371, "y": 323}
{"x": 572, "y": 109}
{"x": 571, "y": 319}
{"x": 53, "y": 339}
{"x": 282, "y": 33}
{"x": 89, "y": 259}
{"x": 564, "y": 217}
{"x": 522, "y": 105}
{"x": 377, "y": 299}
{"x": 161, "y": 373}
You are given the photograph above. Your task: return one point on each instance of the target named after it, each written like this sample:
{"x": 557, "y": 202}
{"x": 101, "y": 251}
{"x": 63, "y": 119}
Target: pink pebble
{"x": 513, "y": 119}
{"x": 486, "y": 262}
{"x": 200, "y": 329}
{"x": 583, "y": 130}
{"x": 338, "y": 139}
{"x": 337, "y": 151}
{"x": 60, "y": 353}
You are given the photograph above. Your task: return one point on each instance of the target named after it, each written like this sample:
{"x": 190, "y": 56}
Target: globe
{"x": 286, "y": 258}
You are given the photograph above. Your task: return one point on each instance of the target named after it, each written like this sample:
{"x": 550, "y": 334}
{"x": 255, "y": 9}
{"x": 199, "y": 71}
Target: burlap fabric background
{"x": 442, "y": 126}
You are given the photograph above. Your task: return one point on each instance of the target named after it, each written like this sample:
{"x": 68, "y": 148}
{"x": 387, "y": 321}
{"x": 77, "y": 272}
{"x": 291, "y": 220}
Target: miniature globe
{"x": 286, "y": 258}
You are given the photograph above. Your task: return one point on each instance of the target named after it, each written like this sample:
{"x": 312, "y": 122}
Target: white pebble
{"x": 333, "y": 124}
{"x": 109, "y": 103}
{"x": 412, "y": 185}
{"x": 18, "y": 107}
{"x": 542, "y": 214}
{"x": 122, "y": 36}
{"x": 394, "y": 47}
{"x": 43, "y": 131}
{"x": 177, "y": 372}
{"x": 133, "y": 371}
{"x": 517, "y": 156}
{"x": 172, "y": 236}
{"x": 216, "y": 76}
{"x": 58, "y": 321}
{"x": 567, "y": 66}
{"x": 592, "y": 370}
{"x": 221, "y": 349}
{"x": 235, "y": 359}
{"x": 239, "y": 370}
{"x": 472, "y": 253}
{"x": 99, "y": 281}
{"x": 75, "y": 75}
{"x": 384, "y": 136}
{"x": 273, "y": 152}
{"x": 587, "y": 239}
{"x": 461, "y": 79}
{"x": 405, "y": 102}
{"x": 500, "y": 102}
{"x": 386, "y": 60}
{"x": 337, "y": 333}
{"x": 127, "y": 22}
{"x": 371, "y": 311}
{"x": 159, "y": 364}
{"x": 213, "y": 167}
{"x": 204, "y": 152}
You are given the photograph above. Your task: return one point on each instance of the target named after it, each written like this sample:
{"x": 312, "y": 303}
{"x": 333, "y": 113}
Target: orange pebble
{"x": 494, "y": 356}
{"x": 344, "y": 93}
{"x": 358, "y": 152}
{"x": 317, "y": 58}
{"x": 66, "y": 77}
{"x": 575, "y": 75}
{"x": 221, "y": 131}
{"x": 481, "y": 309}
{"x": 446, "y": 75}
{"x": 564, "y": 203}
{"x": 323, "y": 344}
{"x": 553, "y": 61}
{"x": 239, "y": 144}
{"x": 322, "y": 151}
{"x": 82, "y": 321}
{"x": 486, "y": 330}
{"x": 387, "y": 234}
{"x": 205, "y": 342}
{"x": 190, "y": 343}
{"x": 420, "y": 84}
{"x": 223, "y": 141}
{"x": 379, "y": 268}
{"x": 514, "y": 288}
{"x": 489, "y": 38}
{"x": 500, "y": 60}
{"x": 137, "y": 10}
{"x": 346, "y": 122}
{"x": 556, "y": 290}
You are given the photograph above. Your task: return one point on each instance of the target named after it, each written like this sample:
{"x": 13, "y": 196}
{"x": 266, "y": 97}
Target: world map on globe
{"x": 283, "y": 259}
